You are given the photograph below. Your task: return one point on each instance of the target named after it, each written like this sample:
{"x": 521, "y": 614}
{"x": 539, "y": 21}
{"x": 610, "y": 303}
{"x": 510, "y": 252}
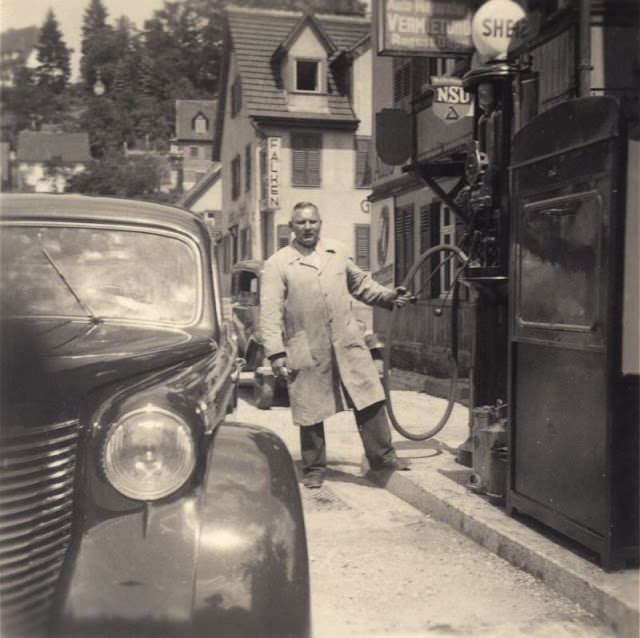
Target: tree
{"x": 54, "y": 67}
{"x": 133, "y": 177}
{"x": 100, "y": 47}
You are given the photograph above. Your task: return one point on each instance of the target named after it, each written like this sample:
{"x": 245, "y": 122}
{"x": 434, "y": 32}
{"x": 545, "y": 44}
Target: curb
{"x": 609, "y": 596}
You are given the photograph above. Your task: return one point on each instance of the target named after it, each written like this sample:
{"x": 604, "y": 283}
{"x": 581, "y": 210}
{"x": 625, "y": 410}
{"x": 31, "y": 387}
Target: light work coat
{"x": 306, "y": 313}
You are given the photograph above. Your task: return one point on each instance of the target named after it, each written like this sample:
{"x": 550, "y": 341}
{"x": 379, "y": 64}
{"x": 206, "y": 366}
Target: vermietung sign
{"x": 424, "y": 27}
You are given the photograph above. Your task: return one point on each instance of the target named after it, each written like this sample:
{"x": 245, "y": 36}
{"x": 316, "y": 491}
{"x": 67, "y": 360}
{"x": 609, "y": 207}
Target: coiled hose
{"x": 453, "y": 251}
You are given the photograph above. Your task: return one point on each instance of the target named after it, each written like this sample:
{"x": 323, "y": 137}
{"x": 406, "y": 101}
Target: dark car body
{"x": 129, "y": 504}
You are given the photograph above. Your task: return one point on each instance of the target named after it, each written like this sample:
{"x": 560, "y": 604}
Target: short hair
{"x": 301, "y": 205}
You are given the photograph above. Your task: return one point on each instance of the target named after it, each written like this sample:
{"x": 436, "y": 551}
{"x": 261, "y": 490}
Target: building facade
{"x": 295, "y": 125}
{"x": 191, "y": 150}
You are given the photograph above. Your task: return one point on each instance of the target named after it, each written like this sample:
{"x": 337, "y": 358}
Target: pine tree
{"x": 100, "y": 51}
{"x": 54, "y": 66}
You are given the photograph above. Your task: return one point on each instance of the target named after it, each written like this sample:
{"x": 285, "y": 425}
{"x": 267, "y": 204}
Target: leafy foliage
{"x": 135, "y": 177}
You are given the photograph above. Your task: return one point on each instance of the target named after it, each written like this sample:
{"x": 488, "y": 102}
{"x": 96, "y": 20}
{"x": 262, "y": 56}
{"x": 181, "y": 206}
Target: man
{"x": 312, "y": 338}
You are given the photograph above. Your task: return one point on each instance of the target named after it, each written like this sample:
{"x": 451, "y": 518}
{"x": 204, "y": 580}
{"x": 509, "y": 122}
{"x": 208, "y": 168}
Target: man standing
{"x": 312, "y": 338}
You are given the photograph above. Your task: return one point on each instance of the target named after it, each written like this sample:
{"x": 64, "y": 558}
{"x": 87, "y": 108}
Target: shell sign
{"x": 499, "y": 27}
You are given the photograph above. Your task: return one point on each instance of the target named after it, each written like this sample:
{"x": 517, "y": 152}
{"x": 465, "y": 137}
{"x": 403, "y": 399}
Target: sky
{"x": 15, "y": 14}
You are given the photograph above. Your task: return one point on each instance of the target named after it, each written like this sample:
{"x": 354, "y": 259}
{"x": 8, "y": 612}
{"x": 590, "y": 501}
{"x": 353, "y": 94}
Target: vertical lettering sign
{"x": 424, "y": 27}
{"x": 273, "y": 172}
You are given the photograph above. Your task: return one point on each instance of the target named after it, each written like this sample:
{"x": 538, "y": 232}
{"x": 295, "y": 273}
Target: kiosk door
{"x": 569, "y": 435}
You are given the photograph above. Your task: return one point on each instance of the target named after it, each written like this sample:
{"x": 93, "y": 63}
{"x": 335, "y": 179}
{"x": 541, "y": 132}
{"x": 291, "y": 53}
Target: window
{"x": 306, "y": 153}
{"x": 200, "y": 123}
{"x": 193, "y": 152}
{"x": 284, "y": 235}
{"x": 404, "y": 241}
{"x": 247, "y": 168}
{"x": 233, "y": 231}
{"x": 226, "y": 256}
{"x": 235, "y": 177}
{"x": 307, "y": 75}
{"x": 430, "y": 236}
{"x": 363, "y": 167}
{"x": 263, "y": 174}
{"x": 362, "y": 246}
{"x": 236, "y": 97}
{"x": 245, "y": 243}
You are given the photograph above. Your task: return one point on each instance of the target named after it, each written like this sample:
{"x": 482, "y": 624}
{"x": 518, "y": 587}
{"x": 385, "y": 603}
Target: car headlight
{"x": 148, "y": 454}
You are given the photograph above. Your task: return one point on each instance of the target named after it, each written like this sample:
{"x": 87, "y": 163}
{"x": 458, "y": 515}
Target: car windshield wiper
{"x": 93, "y": 318}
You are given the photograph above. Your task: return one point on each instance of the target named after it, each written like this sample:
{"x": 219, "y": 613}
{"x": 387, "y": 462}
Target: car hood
{"x": 56, "y": 361}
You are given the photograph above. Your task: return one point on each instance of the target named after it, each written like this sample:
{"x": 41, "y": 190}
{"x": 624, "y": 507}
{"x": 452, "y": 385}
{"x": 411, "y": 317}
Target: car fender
{"x": 252, "y": 570}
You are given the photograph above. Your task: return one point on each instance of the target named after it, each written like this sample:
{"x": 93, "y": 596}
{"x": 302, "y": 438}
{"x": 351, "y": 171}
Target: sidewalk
{"x": 436, "y": 485}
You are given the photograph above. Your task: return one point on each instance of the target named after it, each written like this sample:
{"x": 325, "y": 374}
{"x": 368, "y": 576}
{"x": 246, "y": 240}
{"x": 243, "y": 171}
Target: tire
{"x": 263, "y": 391}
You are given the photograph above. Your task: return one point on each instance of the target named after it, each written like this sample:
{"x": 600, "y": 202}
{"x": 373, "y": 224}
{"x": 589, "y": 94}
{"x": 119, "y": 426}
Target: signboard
{"x": 450, "y": 101}
{"x": 500, "y": 26}
{"x": 273, "y": 172}
{"x": 424, "y": 27}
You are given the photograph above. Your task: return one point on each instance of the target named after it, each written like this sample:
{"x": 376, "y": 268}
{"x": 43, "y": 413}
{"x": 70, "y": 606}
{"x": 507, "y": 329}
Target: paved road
{"x": 379, "y": 567}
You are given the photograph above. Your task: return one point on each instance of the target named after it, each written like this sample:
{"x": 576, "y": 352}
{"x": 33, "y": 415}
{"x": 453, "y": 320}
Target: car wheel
{"x": 263, "y": 390}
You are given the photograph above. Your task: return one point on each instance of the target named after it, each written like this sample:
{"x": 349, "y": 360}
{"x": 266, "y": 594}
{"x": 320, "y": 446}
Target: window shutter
{"x": 435, "y": 240}
{"x": 425, "y": 244}
{"x": 362, "y": 246}
{"x": 247, "y": 164}
{"x": 363, "y": 169}
{"x": 307, "y": 158}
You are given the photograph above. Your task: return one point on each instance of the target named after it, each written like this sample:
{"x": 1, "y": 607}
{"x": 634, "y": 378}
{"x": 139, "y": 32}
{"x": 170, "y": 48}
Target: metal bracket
{"x": 449, "y": 169}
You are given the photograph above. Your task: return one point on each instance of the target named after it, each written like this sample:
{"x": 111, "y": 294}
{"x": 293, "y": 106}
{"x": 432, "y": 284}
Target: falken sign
{"x": 424, "y": 27}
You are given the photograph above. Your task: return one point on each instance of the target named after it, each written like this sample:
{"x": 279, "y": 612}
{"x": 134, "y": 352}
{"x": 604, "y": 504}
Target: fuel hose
{"x": 451, "y": 253}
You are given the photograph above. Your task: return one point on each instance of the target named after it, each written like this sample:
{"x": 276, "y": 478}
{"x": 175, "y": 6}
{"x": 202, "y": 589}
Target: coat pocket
{"x": 299, "y": 354}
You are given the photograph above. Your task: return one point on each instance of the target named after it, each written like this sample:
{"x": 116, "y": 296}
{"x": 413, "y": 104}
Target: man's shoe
{"x": 391, "y": 464}
{"x": 313, "y": 481}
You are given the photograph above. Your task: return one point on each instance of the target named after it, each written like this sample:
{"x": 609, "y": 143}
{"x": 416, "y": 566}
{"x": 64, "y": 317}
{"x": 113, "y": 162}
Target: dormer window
{"x": 200, "y": 124}
{"x": 307, "y": 75}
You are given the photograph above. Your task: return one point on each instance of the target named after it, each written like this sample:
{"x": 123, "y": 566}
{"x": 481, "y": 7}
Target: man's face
{"x": 306, "y": 224}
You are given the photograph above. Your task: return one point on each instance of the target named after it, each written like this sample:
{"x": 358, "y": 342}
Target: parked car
{"x": 245, "y": 309}
{"x": 129, "y": 503}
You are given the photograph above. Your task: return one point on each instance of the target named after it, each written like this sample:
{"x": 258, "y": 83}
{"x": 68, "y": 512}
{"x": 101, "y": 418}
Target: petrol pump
{"x": 545, "y": 199}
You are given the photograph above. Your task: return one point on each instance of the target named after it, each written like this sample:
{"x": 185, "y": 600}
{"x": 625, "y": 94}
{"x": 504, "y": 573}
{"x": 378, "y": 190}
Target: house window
{"x": 245, "y": 243}
{"x": 200, "y": 123}
{"x": 193, "y": 152}
{"x": 307, "y": 75}
{"x": 226, "y": 256}
{"x": 403, "y": 241}
{"x": 284, "y": 235}
{"x": 307, "y": 154}
{"x": 247, "y": 167}
{"x": 362, "y": 246}
{"x": 233, "y": 231}
{"x": 235, "y": 177}
{"x": 363, "y": 166}
{"x": 236, "y": 97}
{"x": 263, "y": 174}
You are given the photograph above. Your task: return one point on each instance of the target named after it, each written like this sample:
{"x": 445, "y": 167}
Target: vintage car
{"x": 245, "y": 311}
{"x": 130, "y": 504}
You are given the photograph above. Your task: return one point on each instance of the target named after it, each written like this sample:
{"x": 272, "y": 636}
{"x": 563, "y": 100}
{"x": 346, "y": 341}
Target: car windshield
{"x": 97, "y": 272}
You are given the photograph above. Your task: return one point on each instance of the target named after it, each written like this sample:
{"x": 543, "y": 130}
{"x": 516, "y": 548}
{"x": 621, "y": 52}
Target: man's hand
{"x": 402, "y": 297}
{"x": 279, "y": 367}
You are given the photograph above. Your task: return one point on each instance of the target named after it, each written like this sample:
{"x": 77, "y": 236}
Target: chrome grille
{"x": 36, "y": 506}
